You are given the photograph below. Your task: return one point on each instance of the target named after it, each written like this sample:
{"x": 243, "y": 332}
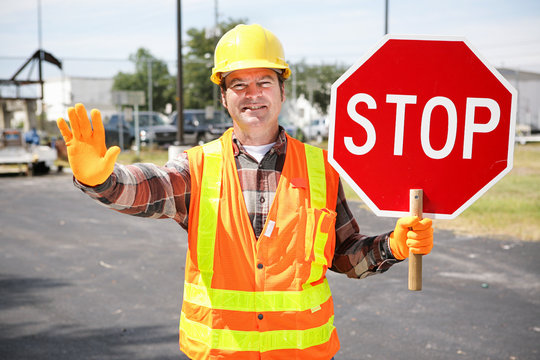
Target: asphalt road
{"x": 78, "y": 281}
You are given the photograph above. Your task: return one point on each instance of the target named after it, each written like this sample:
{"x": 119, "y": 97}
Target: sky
{"x": 94, "y": 38}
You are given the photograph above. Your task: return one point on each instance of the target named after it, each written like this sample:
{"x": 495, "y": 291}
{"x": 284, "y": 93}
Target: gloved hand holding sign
{"x": 88, "y": 156}
{"x": 412, "y": 234}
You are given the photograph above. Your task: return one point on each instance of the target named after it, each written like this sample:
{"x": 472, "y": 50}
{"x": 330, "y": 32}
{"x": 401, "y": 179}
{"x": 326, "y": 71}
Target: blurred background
{"x": 121, "y": 56}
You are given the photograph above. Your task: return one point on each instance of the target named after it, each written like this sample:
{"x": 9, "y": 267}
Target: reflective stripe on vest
{"x": 236, "y": 340}
{"x": 317, "y": 190}
{"x": 263, "y": 301}
{"x": 317, "y": 176}
{"x": 209, "y": 205}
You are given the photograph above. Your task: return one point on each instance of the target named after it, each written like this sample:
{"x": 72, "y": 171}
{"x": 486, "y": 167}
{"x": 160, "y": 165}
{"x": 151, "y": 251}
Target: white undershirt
{"x": 258, "y": 151}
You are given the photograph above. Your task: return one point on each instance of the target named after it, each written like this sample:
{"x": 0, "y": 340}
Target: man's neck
{"x": 255, "y": 138}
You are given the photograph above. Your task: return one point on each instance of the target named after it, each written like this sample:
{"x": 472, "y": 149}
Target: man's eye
{"x": 238, "y": 86}
{"x": 265, "y": 84}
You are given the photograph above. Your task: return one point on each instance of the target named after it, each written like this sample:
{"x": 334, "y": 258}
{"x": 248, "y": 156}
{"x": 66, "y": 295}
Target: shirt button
{"x": 262, "y": 199}
{"x": 259, "y": 265}
{"x": 260, "y": 316}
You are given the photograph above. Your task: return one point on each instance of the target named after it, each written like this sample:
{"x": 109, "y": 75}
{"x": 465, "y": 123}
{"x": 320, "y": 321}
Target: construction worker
{"x": 266, "y": 216}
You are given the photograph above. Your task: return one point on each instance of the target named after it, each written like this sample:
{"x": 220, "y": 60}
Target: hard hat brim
{"x": 248, "y": 64}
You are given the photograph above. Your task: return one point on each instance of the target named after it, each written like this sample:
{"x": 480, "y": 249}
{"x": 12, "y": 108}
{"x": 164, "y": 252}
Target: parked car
{"x": 154, "y": 128}
{"x": 198, "y": 129}
{"x": 318, "y": 129}
{"x": 34, "y": 157}
{"x": 113, "y": 131}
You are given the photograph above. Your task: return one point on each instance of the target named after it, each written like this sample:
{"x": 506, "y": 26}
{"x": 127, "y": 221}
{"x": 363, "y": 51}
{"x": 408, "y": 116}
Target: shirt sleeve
{"x": 357, "y": 255}
{"x": 147, "y": 190}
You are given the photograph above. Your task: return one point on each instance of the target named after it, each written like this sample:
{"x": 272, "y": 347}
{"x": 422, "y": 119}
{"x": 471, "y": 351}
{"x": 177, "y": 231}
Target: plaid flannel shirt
{"x": 149, "y": 190}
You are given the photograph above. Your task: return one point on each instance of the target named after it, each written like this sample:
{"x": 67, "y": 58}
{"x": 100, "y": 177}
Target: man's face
{"x": 253, "y": 98}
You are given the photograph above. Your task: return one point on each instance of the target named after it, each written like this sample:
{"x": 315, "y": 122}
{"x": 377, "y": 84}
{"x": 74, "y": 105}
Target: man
{"x": 266, "y": 216}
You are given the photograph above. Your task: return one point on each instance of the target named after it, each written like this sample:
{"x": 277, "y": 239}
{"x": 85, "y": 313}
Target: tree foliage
{"x": 199, "y": 91}
{"x": 163, "y": 84}
{"x": 314, "y": 81}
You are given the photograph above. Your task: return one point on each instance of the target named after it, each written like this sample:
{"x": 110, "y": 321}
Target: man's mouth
{"x": 253, "y": 107}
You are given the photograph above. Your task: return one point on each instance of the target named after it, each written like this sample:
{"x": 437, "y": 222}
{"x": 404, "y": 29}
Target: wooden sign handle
{"x": 416, "y": 201}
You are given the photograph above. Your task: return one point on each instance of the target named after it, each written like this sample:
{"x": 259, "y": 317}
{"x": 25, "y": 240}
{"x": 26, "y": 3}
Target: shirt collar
{"x": 279, "y": 147}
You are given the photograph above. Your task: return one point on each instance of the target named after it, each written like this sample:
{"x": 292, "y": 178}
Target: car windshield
{"x": 198, "y": 117}
{"x": 144, "y": 119}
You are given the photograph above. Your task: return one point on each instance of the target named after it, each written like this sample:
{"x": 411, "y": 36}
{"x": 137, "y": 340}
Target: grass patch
{"x": 155, "y": 156}
{"x": 511, "y": 208}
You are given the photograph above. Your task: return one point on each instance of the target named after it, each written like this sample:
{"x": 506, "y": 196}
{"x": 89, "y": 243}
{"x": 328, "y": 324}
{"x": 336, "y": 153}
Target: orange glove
{"x": 88, "y": 156}
{"x": 412, "y": 234}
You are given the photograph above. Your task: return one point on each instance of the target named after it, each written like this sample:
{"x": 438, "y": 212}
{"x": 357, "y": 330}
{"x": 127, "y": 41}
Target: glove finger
{"x": 85, "y": 126}
{"x": 408, "y": 221}
{"x": 422, "y": 250}
{"x": 64, "y": 129}
{"x": 112, "y": 154}
{"x": 99, "y": 131}
{"x": 110, "y": 159}
{"x": 423, "y": 224}
{"x": 108, "y": 162}
{"x": 420, "y": 234}
{"x": 74, "y": 123}
{"x": 419, "y": 242}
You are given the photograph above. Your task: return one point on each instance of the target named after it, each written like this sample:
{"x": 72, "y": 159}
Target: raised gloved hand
{"x": 412, "y": 234}
{"x": 88, "y": 156}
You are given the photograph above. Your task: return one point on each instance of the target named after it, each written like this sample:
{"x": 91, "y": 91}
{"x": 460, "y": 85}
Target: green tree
{"x": 198, "y": 61}
{"x": 199, "y": 91}
{"x": 317, "y": 79}
{"x": 163, "y": 84}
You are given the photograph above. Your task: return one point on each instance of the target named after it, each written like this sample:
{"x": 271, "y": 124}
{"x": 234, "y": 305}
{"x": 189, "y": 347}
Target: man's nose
{"x": 253, "y": 90}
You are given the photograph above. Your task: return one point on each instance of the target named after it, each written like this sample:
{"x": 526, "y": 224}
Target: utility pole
{"x": 215, "y": 102}
{"x": 385, "y": 17}
{"x": 179, "y": 80}
{"x": 41, "y": 123}
{"x": 150, "y": 85}
{"x": 150, "y": 95}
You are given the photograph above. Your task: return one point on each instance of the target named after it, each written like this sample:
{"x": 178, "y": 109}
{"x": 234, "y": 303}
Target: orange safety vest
{"x": 265, "y": 298}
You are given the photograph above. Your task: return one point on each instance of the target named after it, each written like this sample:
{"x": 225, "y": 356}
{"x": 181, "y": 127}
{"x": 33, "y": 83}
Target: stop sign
{"x": 422, "y": 113}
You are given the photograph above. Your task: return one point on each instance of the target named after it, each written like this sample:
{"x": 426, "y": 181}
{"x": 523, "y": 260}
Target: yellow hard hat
{"x": 245, "y": 47}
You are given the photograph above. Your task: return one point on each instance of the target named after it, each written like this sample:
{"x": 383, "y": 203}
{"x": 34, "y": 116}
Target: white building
{"x": 306, "y": 111}
{"x": 61, "y": 93}
{"x": 527, "y": 85}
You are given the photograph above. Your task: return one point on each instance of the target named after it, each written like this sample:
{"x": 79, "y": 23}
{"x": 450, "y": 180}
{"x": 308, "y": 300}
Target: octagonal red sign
{"x": 424, "y": 113}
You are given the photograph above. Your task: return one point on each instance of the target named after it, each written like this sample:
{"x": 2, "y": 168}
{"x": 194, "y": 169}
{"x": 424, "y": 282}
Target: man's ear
{"x": 283, "y": 92}
{"x": 223, "y": 99}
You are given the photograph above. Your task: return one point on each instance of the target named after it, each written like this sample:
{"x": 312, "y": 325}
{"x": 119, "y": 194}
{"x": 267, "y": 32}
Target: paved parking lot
{"x": 78, "y": 281}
